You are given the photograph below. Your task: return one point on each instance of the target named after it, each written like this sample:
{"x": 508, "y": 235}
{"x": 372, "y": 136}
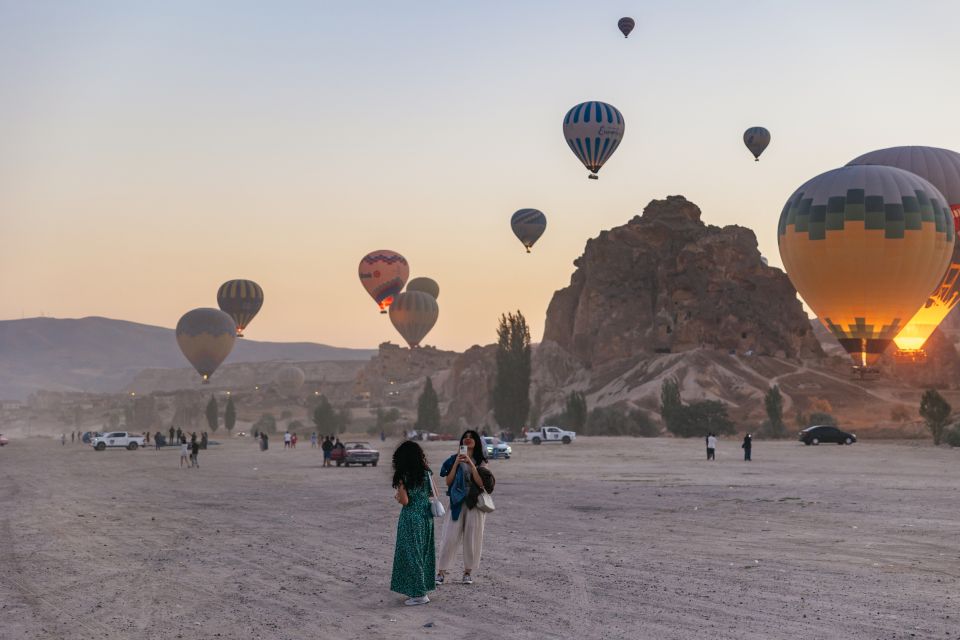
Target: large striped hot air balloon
{"x": 426, "y": 285}
{"x": 864, "y": 246}
{"x": 528, "y": 225}
{"x": 940, "y": 167}
{"x": 383, "y": 274}
{"x": 593, "y": 130}
{"x": 413, "y": 314}
{"x": 206, "y": 337}
{"x": 626, "y": 25}
{"x": 241, "y": 299}
{"x": 756, "y": 139}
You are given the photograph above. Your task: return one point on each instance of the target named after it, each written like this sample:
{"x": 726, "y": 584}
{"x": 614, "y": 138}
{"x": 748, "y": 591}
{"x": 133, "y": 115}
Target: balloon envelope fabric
{"x": 206, "y": 337}
{"x": 864, "y": 246}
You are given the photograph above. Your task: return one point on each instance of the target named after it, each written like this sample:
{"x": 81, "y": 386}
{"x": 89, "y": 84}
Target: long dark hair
{"x": 479, "y": 447}
{"x": 409, "y": 465}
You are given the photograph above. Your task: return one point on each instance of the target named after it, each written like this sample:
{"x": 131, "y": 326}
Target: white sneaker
{"x": 467, "y": 578}
{"x": 412, "y": 602}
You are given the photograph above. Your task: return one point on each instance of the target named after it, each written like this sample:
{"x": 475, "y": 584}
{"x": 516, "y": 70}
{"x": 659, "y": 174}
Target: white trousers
{"x": 467, "y": 532}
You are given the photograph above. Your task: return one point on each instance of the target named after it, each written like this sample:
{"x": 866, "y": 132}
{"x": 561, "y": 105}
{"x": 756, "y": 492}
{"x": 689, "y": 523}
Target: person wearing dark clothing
{"x": 203, "y": 440}
{"x": 156, "y": 440}
{"x": 180, "y": 435}
{"x": 171, "y": 435}
{"x": 264, "y": 441}
{"x": 327, "y": 448}
{"x": 194, "y": 454}
{"x": 747, "y": 447}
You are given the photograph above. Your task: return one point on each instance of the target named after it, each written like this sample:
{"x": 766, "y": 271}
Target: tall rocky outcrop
{"x": 665, "y": 283}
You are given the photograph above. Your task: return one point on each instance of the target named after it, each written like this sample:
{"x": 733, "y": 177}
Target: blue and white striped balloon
{"x": 594, "y": 131}
{"x": 528, "y": 225}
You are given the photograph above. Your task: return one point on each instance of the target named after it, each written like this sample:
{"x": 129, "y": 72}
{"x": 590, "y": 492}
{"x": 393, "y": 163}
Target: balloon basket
{"x": 592, "y": 176}
{"x": 910, "y": 356}
{"x": 383, "y": 310}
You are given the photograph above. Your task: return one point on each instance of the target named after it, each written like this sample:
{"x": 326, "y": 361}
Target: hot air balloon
{"x": 941, "y": 168}
{"x": 206, "y": 337}
{"x": 756, "y": 139}
{"x": 594, "y": 131}
{"x": 414, "y": 313}
{"x": 241, "y": 299}
{"x": 864, "y": 246}
{"x": 528, "y": 225}
{"x": 626, "y": 25}
{"x": 383, "y": 274}
{"x": 426, "y": 285}
{"x": 290, "y": 378}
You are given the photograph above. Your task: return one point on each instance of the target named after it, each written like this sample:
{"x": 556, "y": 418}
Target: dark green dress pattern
{"x": 414, "y": 558}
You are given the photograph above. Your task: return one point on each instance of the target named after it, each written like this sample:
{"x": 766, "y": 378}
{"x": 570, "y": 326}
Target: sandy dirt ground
{"x": 605, "y": 538}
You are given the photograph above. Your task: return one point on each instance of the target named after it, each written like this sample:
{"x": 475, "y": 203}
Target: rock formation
{"x": 665, "y": 283}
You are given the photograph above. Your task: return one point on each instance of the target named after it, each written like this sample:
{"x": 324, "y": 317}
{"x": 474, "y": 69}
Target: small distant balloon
{"x": 756, "y": 139}
{"x": 383, "y": 274}
{"x": 528, "y": 225}
{"x": 290, "y": 378}
{"x": 241, "y": 299}
{"x": 206, "y": 337}
{"x": 426, "y": 285}
{"x": 626, "y": 25}
{"x": 413, "y": 314}
{"x": 593, "y": 131}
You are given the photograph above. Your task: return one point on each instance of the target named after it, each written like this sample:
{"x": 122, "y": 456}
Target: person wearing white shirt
{"x": 711, "y": 447}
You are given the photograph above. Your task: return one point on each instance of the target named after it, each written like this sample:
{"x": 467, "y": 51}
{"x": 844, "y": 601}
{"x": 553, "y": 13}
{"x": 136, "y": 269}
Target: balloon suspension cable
{"x": 528, "y": 249}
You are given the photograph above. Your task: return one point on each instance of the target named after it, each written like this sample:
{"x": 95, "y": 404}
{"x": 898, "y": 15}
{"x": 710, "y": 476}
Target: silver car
{"x": 497, "y": 448}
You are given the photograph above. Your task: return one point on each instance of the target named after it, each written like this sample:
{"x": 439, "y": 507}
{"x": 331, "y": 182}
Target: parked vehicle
{"x": 355, "y": 453}
{"x": 550, "y": 434}
{"x": 3, "y": 440}
{"x": 121, "y": 439}
{"x": 502, "y": 449}
{"x": 826, "y": 433}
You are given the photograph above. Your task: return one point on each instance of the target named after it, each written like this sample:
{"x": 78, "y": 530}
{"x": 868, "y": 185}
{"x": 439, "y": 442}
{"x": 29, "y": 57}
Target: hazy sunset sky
{"x": 151, "y": 151}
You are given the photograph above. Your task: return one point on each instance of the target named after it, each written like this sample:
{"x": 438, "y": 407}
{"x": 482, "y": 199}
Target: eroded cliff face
{"x": 665, "y": 283}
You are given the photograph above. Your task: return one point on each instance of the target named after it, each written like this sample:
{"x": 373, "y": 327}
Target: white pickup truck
{"x": 550, "y": 434}
{"x": 117, "y": 439}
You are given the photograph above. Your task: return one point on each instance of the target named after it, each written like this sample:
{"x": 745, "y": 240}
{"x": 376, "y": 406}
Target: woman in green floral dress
{"x": 414, "y": 559}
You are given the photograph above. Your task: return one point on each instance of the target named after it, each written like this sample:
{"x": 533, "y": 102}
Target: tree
{"x": 230, "y": 415}
{"x": 670, "y": 403}
{"x": 511, "y": 390}
{"x": 266, "y": 423}
{"x": 936, "y": 412}
{"x": 428, "y": 409}
{"x": 324, "y": 417}
{"x": 773, "y": 402}
{"x": 576, "y": 410}
{"x": 343, "y": 419}
{"x": 611, "y": 421}
{"x": 213, "y": 413}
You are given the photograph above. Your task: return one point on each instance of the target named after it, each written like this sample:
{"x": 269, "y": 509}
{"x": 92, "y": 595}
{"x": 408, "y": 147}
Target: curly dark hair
{"x": 409, "y": 465}
{"x": 479, "y": 448}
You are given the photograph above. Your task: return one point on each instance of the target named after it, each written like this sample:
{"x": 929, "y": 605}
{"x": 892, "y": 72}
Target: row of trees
{"x": 213, "y": 414}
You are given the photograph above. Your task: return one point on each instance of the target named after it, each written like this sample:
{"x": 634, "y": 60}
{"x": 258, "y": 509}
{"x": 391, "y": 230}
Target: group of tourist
{"x": 190, "y": 452}
{"x": 417, "y": 566}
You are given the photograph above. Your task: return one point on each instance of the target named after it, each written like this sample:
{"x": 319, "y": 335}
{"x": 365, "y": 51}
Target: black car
{"x": 826, "y": 433}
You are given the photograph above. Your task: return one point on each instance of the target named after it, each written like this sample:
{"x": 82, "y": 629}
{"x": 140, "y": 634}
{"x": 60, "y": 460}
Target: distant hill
{"x": 104, "y": 355}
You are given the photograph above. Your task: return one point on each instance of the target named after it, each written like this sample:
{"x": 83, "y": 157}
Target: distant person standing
{"x": 747, "y": 447}
{"x": 203, "y": 440}
{"x": 156, "y": 440}
{"x": 313, "y": 440}
{"x": 63, "y": 439}
{"x": 73, "y": 437}
{"x": 180, "y": 435}
{"x": 327, "y": 447}
{"x": 286, "y": 439}
{"x": 712, "y": 447}
{"x": 171, "y": 436}
{"x": 195, "y": 454}
{"x": 293, "y": 441}
{"x": 264, "y": 441}
{"x": 414, "y": 555}
{"x": 383, "y": 436}
{"x": 184, "y": 452}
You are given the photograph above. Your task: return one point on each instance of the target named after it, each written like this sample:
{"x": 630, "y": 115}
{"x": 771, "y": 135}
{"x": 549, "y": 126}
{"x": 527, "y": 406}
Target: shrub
{"x": 613, "y": 421}
{"x": 952, "y": 437}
